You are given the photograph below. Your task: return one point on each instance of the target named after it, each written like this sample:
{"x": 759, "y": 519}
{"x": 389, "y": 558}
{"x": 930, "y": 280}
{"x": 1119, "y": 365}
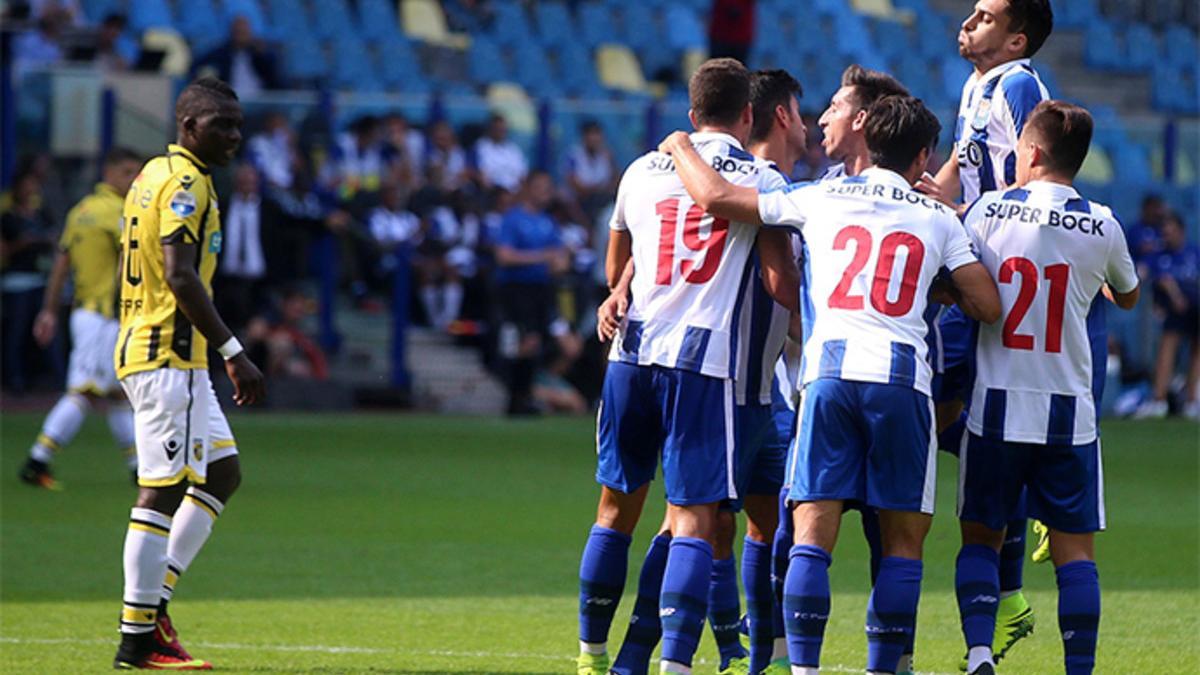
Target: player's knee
{"x": 696, "y": 521}
{"x": 224, "y": 478}
{"x": 1067, "y": 547}
{"x": 165, "y": 500}
{"x": 816, "y": 524}
{"x": 978, "y": 534}
{"x": 762, "y": 518}
{"x": 903, "y": 533}
{"x": 724, "y": 531}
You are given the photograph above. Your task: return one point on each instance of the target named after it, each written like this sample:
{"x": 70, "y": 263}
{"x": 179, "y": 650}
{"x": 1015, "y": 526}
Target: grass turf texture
{"x": 411, "y": 544}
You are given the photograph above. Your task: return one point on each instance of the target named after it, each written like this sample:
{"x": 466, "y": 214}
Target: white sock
{"x": 429, "y": 300}
{"x": 977, "y": 656}
{"x": 193, "y": 524}
{"x": 805, "y": 670}
{"x": 779, "y": 651}
{"x": 675, "y": 667}
{"x": 594, "y": 648}
{"x": 60, "y": 426}
{"x": 453, "y": 299}
{"x": 145, "y": 563}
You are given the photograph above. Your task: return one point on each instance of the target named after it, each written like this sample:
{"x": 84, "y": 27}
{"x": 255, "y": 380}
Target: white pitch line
{"x": 333, "y": 649}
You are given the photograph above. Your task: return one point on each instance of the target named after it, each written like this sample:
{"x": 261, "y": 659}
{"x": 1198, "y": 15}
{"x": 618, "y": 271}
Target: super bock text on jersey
{"x": 1039, "y": 369}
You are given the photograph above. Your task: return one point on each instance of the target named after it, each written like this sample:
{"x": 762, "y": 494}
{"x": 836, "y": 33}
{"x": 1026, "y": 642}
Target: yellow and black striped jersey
{"x": 92, "y": 242}
{"x": 172, "y": 198}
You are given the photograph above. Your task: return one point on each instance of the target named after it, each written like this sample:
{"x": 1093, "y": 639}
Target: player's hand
{"x": 674, "y": 141}
{"x": 928, "y": 185}
{"x": 248, "y": 384}
{"x": 44, "y": 327}
{"x": 610, "y": 314}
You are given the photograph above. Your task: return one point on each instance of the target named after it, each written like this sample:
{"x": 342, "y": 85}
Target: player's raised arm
{"x": 707, "y": 188}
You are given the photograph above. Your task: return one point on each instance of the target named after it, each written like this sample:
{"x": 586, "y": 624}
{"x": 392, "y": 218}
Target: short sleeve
{"x": 64, "y": 240}
{"x": 1022, "y": 93}
{"x": 1119, "y": 270}
{"x": 957, "y": 251}
{"x": 182, "y": 208}
{"x": 784, "y": 206}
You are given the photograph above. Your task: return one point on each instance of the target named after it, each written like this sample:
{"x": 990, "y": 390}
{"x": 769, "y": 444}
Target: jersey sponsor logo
{"x": 970, "y": 153}
{"x": 145, "y": 201}
{"x": 730, "y": 165}
{"x": 183, "y": 203}
{"x": 214, "y": 242}
{"x": 171, "y": 447}
{"x": 1085, "y": 223}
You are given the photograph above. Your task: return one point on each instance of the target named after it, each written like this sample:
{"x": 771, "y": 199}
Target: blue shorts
{"x": 761, "y": 453}
{"x": 1063, "y": 483}
{"x": 958, "y": 340}
{"x": 684, "y": 417}
{"x": 864, "y": 441}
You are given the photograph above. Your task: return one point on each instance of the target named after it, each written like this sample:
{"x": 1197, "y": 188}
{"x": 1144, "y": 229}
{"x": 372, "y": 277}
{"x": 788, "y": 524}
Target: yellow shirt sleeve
{"x": 182, "y": 209}
{"x": 68, "y": 233}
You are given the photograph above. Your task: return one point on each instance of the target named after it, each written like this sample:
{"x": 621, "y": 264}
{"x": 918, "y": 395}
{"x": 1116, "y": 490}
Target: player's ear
{"x": 860, "y": 120}
{"x": 692, "y": 118}
{"x": 1017, "y": 43}
{"x": 782, "y": 115}
{"x": 748, "y": 114}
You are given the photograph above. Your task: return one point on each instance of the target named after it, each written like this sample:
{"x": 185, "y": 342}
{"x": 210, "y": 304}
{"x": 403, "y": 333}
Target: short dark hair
{"x": 1065, "y": 131}
{"x": 871, "y": 85}
{"x": 897, "y": 129}
{"x": 768, "y": 89}
{"x": 1032, "y": 18}
{"x": 118, "y": 154}
{"x": 201, "y": 95}
{"x": 588, "y": 125}
{"x": 719, "y": 91}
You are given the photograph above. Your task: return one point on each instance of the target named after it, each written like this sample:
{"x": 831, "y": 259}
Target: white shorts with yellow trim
{"x": 179, "y": 426}
{"x": 90, "y": 369}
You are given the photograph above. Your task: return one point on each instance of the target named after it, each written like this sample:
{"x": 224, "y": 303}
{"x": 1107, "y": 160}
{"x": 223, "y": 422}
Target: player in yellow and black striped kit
{"x": 170, "y": 243}
{"x": 88, "y": 254}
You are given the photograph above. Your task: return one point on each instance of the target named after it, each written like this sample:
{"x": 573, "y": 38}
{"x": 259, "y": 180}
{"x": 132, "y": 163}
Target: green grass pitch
{"x": 412, "y": 544}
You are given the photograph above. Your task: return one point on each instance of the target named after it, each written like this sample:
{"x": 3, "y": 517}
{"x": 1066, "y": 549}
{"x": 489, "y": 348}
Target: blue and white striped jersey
{"x": 991, "y": 115}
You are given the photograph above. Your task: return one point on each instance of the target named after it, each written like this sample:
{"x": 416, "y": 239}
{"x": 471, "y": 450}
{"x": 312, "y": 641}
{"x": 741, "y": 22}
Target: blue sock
{"x": 781, "y": 549}
{"x": 806, "y": 604}
{"x": 644, "y": 627}
{"x": 601, "y": 580}
{"x": 892, "y": 612}
{"x": 725, "y": 610}
{"x": 760, "y": 602}
{"x": 977, "y": 584}
{"x": 684, "y": 601}
{"x": 1079, "y": 614}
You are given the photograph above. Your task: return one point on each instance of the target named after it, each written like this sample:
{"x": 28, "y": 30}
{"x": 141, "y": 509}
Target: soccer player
{"x": 999, "y": 38}
{"x": 1035, "y": 402}
{"x": 88, "y": 252}
{"x": 866, "y": 427}
{"x": 170, "y": 243}
{"x": 778, "y": 135}
{"x": 668, "y": 390}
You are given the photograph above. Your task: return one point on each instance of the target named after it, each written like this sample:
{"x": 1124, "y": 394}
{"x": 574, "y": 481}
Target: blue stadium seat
{"x": 511, "y": 26}
{"x": 532, "y": 71}
{"x": 399, "y": 65}
{"x": 203, "y": 24}
{"x": 332, "y": 20}
{"x": 555, "y": 25}
{"x": 577, "y": 72}
{"x": 1074, "y": 13}
{"x": 485, "y": 62}
{"x": 1102, "y": 48}
{"x": 353, "y": 67}
{"x": 687, "y": 31}
{"x": 145, "y": 14}
{"x": 638, "y": 26}
{"x": 1180, "y": 45}
{"x": 596, "y": 23}
{"x": 1141, "y": 46}
{"x": 304, "y": 60}
{"x": 96, "y": 10}
{"x": 378, "y": 20}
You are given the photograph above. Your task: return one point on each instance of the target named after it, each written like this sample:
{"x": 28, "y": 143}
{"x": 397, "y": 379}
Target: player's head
{"x": 719, "y": 93}
{"x": 1054, "y": 141}
{"x": 120, "y": 167}
{"x": 843, "y": 121}
{"x": 208, "y": 120}
{"x": 999, "y": 31}
{"x": 900, "y": 133}
{"x": 538, "y": 191}
{"x": 775, "y": 100}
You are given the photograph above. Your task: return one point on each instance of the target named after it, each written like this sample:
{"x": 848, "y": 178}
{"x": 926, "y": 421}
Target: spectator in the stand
{"x": 115, "y": 51}
{"x": 1145, "y": 237}
{"x": 292, "y": 218}
{"x": 290, "y": 352}
{"x": 499, "y": 160}
{"x": 40, "y": 47}
{"x": 395, "y": 230}
{"x": 528, "y": 252}
{"x": 591, "y": 172}
{"x": 247, "y": 63}
{"x": 243, "y": 269}
{"x": 1175, "y": 272}
{"x": 68, "y": 11}
{"x": 359, "y": 162}
{"x": 731, "y": 29}
{"x": 26, "y": 248}
{"x": 407, "y": 145}
{"x": 446, "y": 163}
{"x": 273, "y": 151}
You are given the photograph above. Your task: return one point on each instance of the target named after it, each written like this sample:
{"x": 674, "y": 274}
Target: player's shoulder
{"x": 1022, "y": 86}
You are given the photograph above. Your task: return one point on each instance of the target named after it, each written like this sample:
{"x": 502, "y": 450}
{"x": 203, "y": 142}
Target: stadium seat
{"x": 178, "y": 56}
{"x": 96, "y": 10}
{"x": 378, "y": 20}
{"x": 1102, "y": 47}
{"x": 639, "y": 26}
{"x": 353, "y": 67}
{"x": 1180, "y": 43}
{"x": 1097, "y": 166}
{"x": 882, "y": 9}
{"x": 424, "y": 20}
{"x": 1074, "y": 13}
{"x": 1141, "y": 46}
{"x": 687, "y": 32}
{"x": 146, "y": 14}
{"x": 533, "y": 72}
{"x": 577, "y": 71}
{"x": 332, "y": 20}
{"x": 203, "y": 25}
{"x": 555, "y": 25}
{"x": 596, "y": 23}
{"x": 485, "y": 62}
{"x": 512, "y": 101}
{"x": 619, "y": 68}
{"x": 304, "y": 60}
{"x": 510, "y": 26}
{"x": 692, "y": 59}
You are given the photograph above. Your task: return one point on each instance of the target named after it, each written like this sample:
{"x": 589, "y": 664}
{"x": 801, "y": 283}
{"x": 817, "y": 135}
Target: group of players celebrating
{"x": 796, "y": 350}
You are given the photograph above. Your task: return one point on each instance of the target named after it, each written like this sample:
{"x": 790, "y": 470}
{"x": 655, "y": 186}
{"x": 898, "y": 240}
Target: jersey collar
{"x": 705, "y": 136}
{"x": 887, "y": 176}
{"x": 1000, "y": 69}
{"x": 174, "y": 149}
{"x": 1056, "y": 191}
{"x": 105, "y": 190}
